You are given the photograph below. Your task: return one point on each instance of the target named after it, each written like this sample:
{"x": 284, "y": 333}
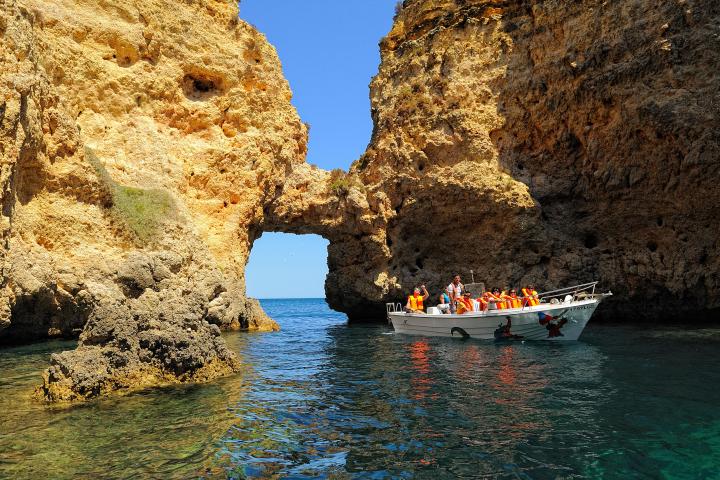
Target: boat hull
{"x": 553, "y": 322}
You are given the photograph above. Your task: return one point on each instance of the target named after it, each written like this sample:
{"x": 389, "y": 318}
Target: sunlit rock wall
{"x": 145, "y": 145}
{"x": 140, "y": 141}
{"x": 553, "y": 142}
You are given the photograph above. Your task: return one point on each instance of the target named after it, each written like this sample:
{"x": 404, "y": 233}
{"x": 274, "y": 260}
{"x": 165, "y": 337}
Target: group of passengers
{"x": 456, "y": 299}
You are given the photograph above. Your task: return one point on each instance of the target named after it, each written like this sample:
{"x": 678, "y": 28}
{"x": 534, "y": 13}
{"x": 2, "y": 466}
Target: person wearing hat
{"x": 415, "y": 302}
{"x": 499, "y": 296}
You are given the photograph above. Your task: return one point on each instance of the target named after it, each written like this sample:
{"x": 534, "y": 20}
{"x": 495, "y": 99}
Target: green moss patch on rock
{"x": 141, "y": 210}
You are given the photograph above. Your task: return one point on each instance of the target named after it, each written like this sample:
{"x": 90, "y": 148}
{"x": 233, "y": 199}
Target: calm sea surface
{"x": 324, "y": 399}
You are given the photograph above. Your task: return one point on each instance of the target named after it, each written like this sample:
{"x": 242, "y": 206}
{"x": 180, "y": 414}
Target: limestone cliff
{"x": 139, "y": 142}
{"x": 554, "y": 142}
{"x": 144, "y": 145}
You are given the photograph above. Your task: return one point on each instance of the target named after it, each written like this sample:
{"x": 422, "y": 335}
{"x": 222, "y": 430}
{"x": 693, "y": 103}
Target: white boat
{"x": 561, "y": 316}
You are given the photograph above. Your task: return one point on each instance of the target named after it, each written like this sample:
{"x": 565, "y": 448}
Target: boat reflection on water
{"x": 520, "y": 394}
{"x": 422, "y": 382}
{"x": 506, "y": 372}
{"x": 338, "y": 401}
{"x": 469, "y": 396}
{"x": 322, "y": 399}
{"x": 495, "y": 388}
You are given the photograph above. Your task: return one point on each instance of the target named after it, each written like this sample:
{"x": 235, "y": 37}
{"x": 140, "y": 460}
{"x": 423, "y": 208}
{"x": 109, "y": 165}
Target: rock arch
{"x": 506, "y": 142}
{"x": 526, "y": 140}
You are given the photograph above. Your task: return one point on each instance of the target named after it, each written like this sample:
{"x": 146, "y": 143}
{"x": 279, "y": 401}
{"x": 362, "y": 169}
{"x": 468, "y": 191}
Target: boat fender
{"x": 460, "y": 331}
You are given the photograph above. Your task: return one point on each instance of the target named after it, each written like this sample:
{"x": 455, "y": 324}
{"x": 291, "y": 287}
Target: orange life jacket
{"x": 489, "y": 298}
{"x": 492, "y": 298}
{"x": 515, "y": 301}
{"x": 464, "y": 305}
{"x": 530, "y": 297}
{"x": 508, "y": 300}
{"x": 483, "y": 303}
{"x": 416, "y": 303}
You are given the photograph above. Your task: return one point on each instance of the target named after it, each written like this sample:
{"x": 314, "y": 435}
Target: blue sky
{"x": 329, "y": 51}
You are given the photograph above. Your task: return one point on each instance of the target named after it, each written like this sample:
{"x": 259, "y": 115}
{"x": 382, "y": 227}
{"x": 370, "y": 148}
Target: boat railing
{"x": 583, "y": 291}
{"x": 393, "y": 308}
{"x": 586, "y": 290}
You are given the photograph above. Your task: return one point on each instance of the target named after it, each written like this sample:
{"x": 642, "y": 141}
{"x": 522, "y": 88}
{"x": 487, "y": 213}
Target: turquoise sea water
{"x": 322, "y": 399}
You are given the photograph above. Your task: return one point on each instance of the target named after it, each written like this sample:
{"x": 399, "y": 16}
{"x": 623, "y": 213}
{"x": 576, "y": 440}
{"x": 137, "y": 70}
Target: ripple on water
{"x": 323, "y": 399}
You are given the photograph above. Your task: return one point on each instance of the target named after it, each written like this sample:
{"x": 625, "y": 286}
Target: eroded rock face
{"x": 612, "y": 118}
{"x": 139, "y": 142}
{"x": 145, "y": 145}
{"x": 127, "y": 345}
{"x": 533, "y": 141}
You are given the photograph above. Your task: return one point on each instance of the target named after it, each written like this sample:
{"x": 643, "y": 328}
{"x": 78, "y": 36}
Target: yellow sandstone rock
{"x": 140, "y": 143}
{"x": 144, "y": 146}
{"x": 552, "y": 142}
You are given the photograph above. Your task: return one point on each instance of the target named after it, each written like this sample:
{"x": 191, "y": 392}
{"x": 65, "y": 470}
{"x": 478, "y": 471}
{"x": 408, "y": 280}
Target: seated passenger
{"x": 482, "y": 300}
{"x": 513, "y": 300}
{"x": 489, "y": 300}
{"x": 530, "y": 296}
{"x": 500, "y": 294}
{"x": 464, "y": 303}
{"x": 505, "y": 299}
{"x": 495, "y": 300}
{"x": 415, "y": 301}
{"x": 444, "y": 305}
